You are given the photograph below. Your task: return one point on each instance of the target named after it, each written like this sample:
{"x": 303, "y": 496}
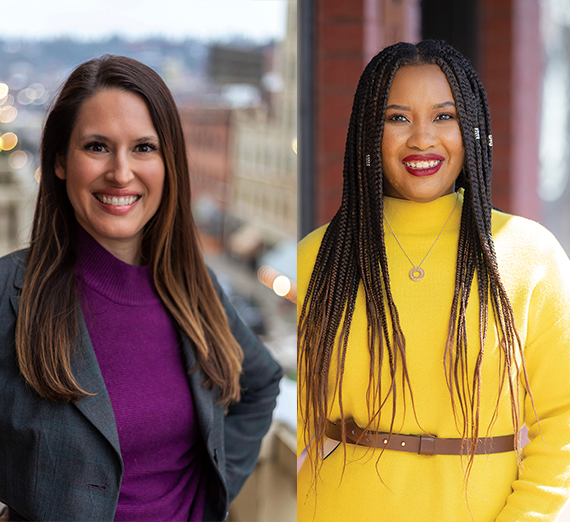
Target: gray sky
{"x": 258, "y": 19}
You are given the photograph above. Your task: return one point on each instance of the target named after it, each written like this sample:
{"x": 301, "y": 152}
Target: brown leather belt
{"x": 423, "y": 445}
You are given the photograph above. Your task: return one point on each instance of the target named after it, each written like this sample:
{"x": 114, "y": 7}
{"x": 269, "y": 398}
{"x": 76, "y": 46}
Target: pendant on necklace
{"x": 416, "y": 273}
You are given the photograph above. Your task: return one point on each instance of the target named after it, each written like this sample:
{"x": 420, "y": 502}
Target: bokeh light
{"x": 8, "y": 114}
{"x": 281, "y": 285}
{"x": 7, "y": 100}
{"x": 33, "y": 94}
{"x": 19, "y": 159}
{"x": 8, "y": 141}
{"x": 3, "y": 90}
{"x": 35, "y": 91}
{"x": 23, "y": 98}
{"x": 294, "y": 145}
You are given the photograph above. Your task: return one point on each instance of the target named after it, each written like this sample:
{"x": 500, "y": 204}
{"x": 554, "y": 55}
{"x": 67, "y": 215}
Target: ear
{"x": 60, "y": 166}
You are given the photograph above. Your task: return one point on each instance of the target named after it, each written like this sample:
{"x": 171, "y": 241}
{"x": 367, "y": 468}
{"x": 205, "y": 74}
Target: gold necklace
{"x": 417, "y": 272}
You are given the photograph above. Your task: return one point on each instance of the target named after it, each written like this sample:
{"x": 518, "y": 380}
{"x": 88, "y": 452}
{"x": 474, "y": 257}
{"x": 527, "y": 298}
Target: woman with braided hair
{"x": 432, "y": 327}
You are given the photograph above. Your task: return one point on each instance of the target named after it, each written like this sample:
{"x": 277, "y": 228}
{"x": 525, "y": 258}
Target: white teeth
{"x": 116, "y": 202}
{"x": 422, "y": 164}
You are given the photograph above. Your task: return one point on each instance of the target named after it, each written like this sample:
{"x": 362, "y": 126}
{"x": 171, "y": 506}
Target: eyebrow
{"x": 100, "y": 137}
{"x": 147, "y": 138}
{"x": 406, "y": 108}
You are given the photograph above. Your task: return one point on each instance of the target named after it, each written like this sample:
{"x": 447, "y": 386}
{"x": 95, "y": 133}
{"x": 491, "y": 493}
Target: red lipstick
{"x": 417, "y": 158}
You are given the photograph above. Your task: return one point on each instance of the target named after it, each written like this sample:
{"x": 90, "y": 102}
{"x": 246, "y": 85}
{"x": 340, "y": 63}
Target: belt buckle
{"x": 427, "y": 445}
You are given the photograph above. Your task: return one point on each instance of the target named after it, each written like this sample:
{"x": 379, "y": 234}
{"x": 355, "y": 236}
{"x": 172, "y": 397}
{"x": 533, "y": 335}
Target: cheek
{"x": 455, "y": 144}
{"x": 392, "y": 143}
{"x": 79, "y": 174}
{"x": 387, "y": 145}
{"x": 390, "y": 162}
{"x": 155, "y": 179}
{"x": 76, "y": 188}
{"x": 459, "y": 157}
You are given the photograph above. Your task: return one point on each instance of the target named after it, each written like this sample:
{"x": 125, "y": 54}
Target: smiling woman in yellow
{"x": 431, "y": 326}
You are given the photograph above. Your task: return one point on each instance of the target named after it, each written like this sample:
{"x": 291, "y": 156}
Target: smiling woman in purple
{"x": 129, "y": 388}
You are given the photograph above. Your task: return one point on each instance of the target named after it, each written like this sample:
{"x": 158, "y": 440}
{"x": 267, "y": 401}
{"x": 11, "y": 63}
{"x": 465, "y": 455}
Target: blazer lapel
{"x": 15, "y": 302}
{"x": 203, "y": 397}
{"x": 18, "y": 280}
{"x": 86, "y": 371}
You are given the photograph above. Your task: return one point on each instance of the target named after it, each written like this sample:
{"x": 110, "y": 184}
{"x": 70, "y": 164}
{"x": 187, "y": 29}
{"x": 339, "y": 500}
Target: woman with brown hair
{"x": 129, "y": 388}
{"x": 432, "y": 325}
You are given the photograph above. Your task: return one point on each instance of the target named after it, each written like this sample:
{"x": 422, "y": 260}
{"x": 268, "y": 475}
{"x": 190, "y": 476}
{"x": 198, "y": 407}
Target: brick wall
{"x": 338, "y": 65}
{"x": 348, "y": 34}
{"x": 511, "y": 71}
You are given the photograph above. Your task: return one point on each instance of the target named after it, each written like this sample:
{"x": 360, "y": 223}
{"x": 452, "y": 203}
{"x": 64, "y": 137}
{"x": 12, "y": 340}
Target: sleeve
{"x": 543, "y": 484}
{"x": 248, "y": 420}
{"x": 306, "y": 255}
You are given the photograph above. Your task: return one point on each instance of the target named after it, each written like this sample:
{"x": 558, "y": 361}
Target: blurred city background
{"x": 231, "y": 66}
{"x": 521, "y": 50}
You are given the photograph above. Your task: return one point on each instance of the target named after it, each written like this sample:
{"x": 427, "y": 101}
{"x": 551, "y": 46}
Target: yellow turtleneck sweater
{"x": 536, "y": 274}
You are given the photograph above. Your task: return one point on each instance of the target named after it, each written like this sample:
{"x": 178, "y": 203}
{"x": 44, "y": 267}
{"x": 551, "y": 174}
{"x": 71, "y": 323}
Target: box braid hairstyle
{"x": 353, "y": 251}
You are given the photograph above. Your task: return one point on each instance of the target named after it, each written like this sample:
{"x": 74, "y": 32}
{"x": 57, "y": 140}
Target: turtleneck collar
{"x": 118, "y": 281}
{"x": 424, "y": 218}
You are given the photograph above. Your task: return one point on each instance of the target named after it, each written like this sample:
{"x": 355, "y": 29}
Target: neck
{"x": 423, "y": 219}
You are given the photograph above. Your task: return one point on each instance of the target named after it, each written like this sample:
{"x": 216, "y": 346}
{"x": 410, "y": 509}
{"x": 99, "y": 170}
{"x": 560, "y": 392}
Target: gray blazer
{"x": 63, "y": 461}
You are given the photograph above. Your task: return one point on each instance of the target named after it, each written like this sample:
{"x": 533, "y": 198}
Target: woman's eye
{"x": 397, "y": 117}
{"x": 444, "y": 117}
{"x": 146, "y": 147}
{"x": 95, "y": 146}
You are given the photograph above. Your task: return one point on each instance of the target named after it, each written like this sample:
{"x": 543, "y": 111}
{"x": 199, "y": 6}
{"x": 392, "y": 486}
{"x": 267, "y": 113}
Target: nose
{"x": 422, "y": 135}
{"x": 120, "y": 170}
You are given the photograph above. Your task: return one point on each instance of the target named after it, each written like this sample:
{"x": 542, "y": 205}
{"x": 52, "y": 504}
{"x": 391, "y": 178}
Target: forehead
{"x": 419, "y": 83}
{"x": 114, "y": 108}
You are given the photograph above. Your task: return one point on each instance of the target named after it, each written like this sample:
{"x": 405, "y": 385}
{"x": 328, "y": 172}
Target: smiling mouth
{"x": 421, "y": 164}
{"x": 117, "y": 201}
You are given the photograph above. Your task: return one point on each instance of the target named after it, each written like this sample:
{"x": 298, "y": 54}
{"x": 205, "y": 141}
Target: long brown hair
{"x": 47, "y": 325}
{"x": 353, "y": 253}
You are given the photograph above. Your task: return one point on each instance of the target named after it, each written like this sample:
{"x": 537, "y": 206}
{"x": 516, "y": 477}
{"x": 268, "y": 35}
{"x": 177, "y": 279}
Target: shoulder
{"x": 509, "y": 227}
{"x": 12, "y": 270}
{"x": 312, "y": 241}
{"x": 525, "y": 239}
{"x": 215, "y": 281}
{"x": 533, "y": 266}
{"x": 228, "y": 308}
{"x": 307, "y": 251}
{"x": 308, "y": 248}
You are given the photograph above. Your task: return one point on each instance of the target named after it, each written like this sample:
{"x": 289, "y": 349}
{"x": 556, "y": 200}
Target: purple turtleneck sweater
{"x": 136, "y": 343}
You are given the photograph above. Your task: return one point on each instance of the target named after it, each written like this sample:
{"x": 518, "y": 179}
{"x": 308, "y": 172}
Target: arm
{"x": 247, "y": 421}
{"x": 543, "y": 484}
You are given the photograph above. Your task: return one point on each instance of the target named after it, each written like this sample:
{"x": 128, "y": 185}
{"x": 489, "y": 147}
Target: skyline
{"x": 259, "y": 20}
